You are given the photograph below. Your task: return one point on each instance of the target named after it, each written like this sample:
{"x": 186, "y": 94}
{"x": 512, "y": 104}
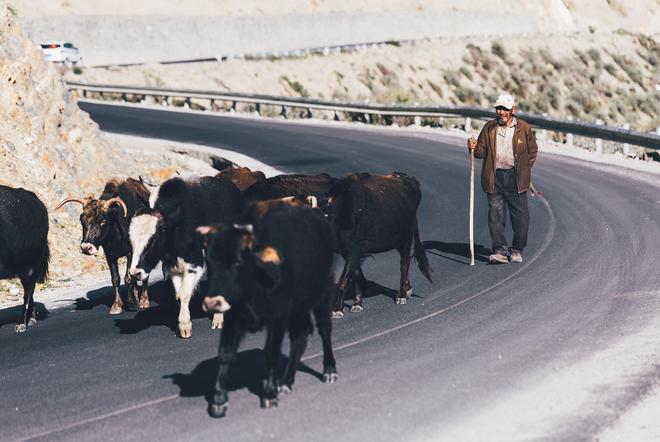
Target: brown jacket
{"x": 524, "y": 154}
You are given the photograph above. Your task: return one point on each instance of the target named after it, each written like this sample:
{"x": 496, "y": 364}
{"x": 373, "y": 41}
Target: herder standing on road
{"x": 509, "y": 149}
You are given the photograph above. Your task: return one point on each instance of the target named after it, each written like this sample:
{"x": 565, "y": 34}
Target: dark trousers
{"x": 506, "y": 196}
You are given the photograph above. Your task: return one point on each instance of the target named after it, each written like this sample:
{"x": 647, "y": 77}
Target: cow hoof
{"x": 269, "y": 403}
{"x": 337, "y": 314}
{"x": 144, "y": 305}
{"x": 218, "y": 319}
{"x": 401, "y": 301}
{"x": 356, "y": 308}
{"x": 185, "y": 330}
{"x": 32, "y": 321}
{"x": 21, "y": 328}
{"x": 217, "y": 410}
{"x": 330, "y": 378}
{"x": 409, "y": 292}
{"x": 285, "y": 389}
{"x": 115, "y": 309}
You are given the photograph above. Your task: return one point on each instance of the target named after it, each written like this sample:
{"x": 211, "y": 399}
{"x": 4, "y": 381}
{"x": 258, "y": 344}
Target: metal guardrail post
{"x": 283, "y": 113}
{"x": 626, "y": 146}
{"x": 257, "y": 108}
{"x": 233, "y": 106}
{"x": 418, "y": 120}
{"x": 309, "y": 113}
{"x": 468, "y": 124}
{"x": 569, "y": 136}
{"x": 599, "y": 142}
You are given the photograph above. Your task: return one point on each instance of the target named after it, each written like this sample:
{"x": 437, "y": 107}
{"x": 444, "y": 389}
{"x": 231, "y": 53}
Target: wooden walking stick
{"x": 471, "y": 141}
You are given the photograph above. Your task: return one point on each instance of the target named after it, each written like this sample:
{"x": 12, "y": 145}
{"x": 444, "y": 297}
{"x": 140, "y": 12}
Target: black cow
{"x": 167, "y": 233}
{"x": 281, "y": 186}
{"x": 373, "y": 214}
{"x": 273, "y": 272}
{"x": 243, "y": 177}
{"x": 105, "y": 223}
{"x": 24, "y": 251}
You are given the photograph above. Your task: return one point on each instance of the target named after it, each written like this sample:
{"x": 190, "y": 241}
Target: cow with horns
{"x": 105, "y": 222}
{"x": 373, "y": 214}
{"x": 272, "y": 271}
{"x": 166, "y": 232}
{"x": 24, "y": 251}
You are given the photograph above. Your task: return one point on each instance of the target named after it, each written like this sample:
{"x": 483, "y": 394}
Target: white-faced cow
{"x": 167, "y": 233}
{"x": 105, "y": 222}
{"x": 243, "y": 177}
{"x": 300, "y": 186}
{"x": 272, "y": 271}
{"x": 24, "y": 251}
{"x": 373, "y": 214}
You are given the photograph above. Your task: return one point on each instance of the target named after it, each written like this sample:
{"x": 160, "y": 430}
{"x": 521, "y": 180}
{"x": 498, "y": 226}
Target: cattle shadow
{"x": 441, "y": 249}
{"x": 165, "y": 313}
{"x": 373, "y": 289}
{"x": 10, "y": 315}
{"x": 247, "y": 370}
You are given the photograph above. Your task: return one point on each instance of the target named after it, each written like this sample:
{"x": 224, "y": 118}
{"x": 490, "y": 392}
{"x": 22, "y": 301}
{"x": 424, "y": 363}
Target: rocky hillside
{"x": 49, "y": 146}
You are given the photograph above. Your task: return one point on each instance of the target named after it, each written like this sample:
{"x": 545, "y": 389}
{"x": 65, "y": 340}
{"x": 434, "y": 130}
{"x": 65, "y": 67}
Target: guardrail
{"x": 592, "y": 130}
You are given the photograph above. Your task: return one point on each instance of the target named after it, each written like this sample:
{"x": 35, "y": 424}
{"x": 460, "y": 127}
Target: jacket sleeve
{"x": 480, "y": 150}
{"x": 532, "y": 148}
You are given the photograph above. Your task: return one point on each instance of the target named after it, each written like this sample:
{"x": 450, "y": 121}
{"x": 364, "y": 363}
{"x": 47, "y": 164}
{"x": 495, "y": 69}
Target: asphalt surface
{"x": 475, "y": 337}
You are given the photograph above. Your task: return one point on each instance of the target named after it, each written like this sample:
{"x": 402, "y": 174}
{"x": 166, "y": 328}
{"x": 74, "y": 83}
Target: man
{"x": 508, "y": 148}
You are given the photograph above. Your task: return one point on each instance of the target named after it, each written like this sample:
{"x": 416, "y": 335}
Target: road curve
{"x": 462, "y": 361}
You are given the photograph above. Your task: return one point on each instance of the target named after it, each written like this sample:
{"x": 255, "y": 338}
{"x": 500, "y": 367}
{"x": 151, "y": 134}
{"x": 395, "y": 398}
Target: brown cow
{"x": 243, "y": 177}
{"x": 105, "y": 223}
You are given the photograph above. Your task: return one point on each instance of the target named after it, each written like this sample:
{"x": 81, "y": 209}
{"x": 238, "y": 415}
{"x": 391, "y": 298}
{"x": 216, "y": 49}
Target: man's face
{"x": 504, "y": 115}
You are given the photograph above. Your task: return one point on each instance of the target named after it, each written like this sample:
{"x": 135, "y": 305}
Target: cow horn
{"x": 117, "y": 200}
{"x": 71, "y": 199}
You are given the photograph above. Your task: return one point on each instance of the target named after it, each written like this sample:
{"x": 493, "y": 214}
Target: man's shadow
{"x": 247, "y": 370}
{"x": 442, "y": 249}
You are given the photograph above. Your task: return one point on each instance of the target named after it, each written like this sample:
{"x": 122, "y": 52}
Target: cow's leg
{"x": 229, "y": 340}
{"x": 116, "y": 280}
{"x": 144, "y": 296}
{"x": 299, "y": 331}
{"x": 405, "y": 288}
{"x": 131, "y": 285}
{"x": 360, "y": 283}
{"x": 185, "y": 282}
{"x": 345, "y": 281}
{"x": 324, "y": 326}
{"x": 273, "y": 349}
{"x": 27, "y": 315}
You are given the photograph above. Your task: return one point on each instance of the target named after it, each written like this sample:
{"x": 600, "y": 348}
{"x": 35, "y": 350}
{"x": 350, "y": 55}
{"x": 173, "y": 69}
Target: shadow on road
{"x": 10, "y": 315}
{"x": 248, "y": 370}
{"x": 165, "y": 313}
{"x": 458, "y": 249}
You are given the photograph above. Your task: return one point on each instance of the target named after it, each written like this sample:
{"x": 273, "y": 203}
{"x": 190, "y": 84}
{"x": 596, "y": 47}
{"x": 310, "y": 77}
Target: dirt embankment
{"x": 49, "y": 146}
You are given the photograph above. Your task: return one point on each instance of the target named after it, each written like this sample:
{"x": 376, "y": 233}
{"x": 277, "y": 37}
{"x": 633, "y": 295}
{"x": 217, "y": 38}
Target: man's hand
{"x": 471, "y": 142}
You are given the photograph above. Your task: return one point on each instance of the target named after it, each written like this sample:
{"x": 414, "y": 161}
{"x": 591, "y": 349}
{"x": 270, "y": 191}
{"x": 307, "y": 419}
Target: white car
{"x": 61, "y": 51}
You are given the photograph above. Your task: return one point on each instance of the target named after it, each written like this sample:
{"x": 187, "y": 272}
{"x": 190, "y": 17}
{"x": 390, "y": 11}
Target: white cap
{"x": 505, "y": 100}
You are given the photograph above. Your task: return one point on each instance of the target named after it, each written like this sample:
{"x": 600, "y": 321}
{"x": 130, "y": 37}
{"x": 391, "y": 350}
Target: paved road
{"x": 477, "y": 338}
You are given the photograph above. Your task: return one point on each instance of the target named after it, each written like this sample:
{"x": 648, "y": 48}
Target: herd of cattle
{"x": 265, "y": 245}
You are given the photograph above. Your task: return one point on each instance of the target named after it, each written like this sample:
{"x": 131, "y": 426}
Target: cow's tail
{"x": 420, "y": 255}
{"x": 40, "y": 270}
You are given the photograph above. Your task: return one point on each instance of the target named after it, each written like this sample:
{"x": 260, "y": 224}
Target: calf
{"x": 24, "y": 251}
{"x": 373, "y": 214}
{"x": 291, "y": 185}
{"x": 243, "y": 177}
{"x": 167, "y": 232}
{"x": 105, "y": 222}
{"x": 273, "y": 272}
